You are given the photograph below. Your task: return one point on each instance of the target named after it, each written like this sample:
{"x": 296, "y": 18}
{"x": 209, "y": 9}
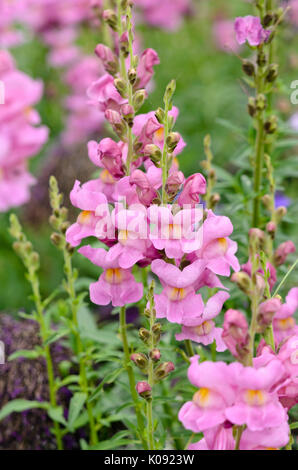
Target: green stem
{"x": 79, "y": 344}
{"x": 150, "y": 430}
{"x": 131, "y": 377}
{"x": 50, "y": 369}
{"x": 189, "y": 348}
{"x": 239, "y": 432}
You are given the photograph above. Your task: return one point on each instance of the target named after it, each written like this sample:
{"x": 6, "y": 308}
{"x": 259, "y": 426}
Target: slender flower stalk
{"x": 59, "y": 223}
{"x": 30, "y": 260}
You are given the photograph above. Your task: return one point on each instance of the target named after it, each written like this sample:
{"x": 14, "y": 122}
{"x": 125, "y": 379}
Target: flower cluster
{"x": 234, "y": 395}
{"x": 20, "y": 135}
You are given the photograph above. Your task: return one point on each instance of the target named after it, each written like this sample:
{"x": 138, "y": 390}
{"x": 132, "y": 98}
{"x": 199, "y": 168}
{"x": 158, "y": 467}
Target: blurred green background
{"x": 211, "y": 97}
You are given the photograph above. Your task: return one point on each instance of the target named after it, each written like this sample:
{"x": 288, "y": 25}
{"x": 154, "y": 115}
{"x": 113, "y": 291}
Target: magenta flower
{"x": 288, "y": 355}
{"x": 256, "y": 403}
{"x": 215, "y": 394}
{"x": 103, "y": 94}
{"x": 200, "y": 328}
{"x": 217, "y": 438}
{"x": 267, "y": 439}
{"x": 178, "y": 299}
{"x": 115, "y": 284}
{"x": 193, "y": 187}
{"x": 235, "y": 332}
{"x": 224, "y": 35}
{"x": 166, "y": 14}
{"x": 249, "y": 28}
{"x": 284, "y": 323}
{"x": 145, "y": 71}
{"x": 218, "y": 251}
{"x": 283, "y": 252}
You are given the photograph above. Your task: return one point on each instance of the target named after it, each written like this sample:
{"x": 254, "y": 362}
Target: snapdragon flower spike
{"x": 218, "y": 250}
{"x": 215, "y": 394}
{"x": 250, "y": 29}
{"x": 284, "y": 323}
{"x": 116, "y": 285}
{"x": 256, "y": 402}
{"x": 178, "y": 299}
{"x": 89, "y": 200}
{"x": 199, "y": 326}
{"x": 177, "y": 234}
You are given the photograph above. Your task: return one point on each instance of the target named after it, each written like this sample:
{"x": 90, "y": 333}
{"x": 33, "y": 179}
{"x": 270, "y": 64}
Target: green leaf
{"x": 109, "y": 378}
{"x": 294, "y": 425}
{"x": 75, "y": 407}
{"x": 115, "y": 442}
{"x": 25, "y": 353}
{"x": 56, "y": 414}
{"x": 20, "y": 405}
{"x": 57, "y": 335}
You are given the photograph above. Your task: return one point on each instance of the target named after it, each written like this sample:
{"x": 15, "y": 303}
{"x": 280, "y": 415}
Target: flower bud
{"x": 257, "y": 237}
{"x": 144, "y": 335}
{"x": 270, "y": 125}
{"x": 248, "y": 68}
{"x": 261, "y": 102}
{"x": 271, "y": 228}
{"x": 124, "y": 44}
{"x": 243, "y": 281}
{"x": 144, "y": 390}
{"x": 261, "y": 58}
{"x": 132, "y": 76}
{"x": 163, "y": 370}
{"x": 120, "y": 86}
{"x": 267, "y": 20}
{"x": 266, "y": 312}
{"x": 56, "y": 239}
{"x": 140, "y": 360}
{"x": 283, "y": 251}
{"x": 172, "y": 141}
{"x": 153, "y": 152}
{"x": 280, "y": 213}
{"x": 155, "y": 355}
{"x": 160, "y": 115}
{"x": 272, "y": 73}
{"x": 170, "y": 90}
{"x": 156, "y": 330}
{"x": 113, "y": 116}
{"x": 139, "y": 98}
{"x": 267, "y": 201}
{"x": 128, "y": 113}
{"x": 251, "y": 106}
{"x": 214, "y": 200}
{"x": 235, "y": 333}
{"x": 110, "y": 17}
{"x": 174, "y": 182}
{"x": 108, "y": 58}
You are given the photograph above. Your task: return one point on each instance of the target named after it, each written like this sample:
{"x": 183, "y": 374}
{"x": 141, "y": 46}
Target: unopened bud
{"x": 271, "y": 228}
{"x": 260, "y": 102}
{"x": 144, "y": 390}
{"x": 112, "y": 116}
{"x": 124, "y": 44}
{"x": 140, "y": 360}
{"x": 156, "y": 330}
{"x": 128, "y": 112}
{"x": 132, "y": 76}
{"x": 34, "y": 260}
{"x": 56, "y": 239}
{"x": 261, "y": 58}
{"x": 155, "y": 355}
{"x": 257, "y": 237}
{"x": 144, "y": 335}
{"x": 214, "y": 200}
{"x": 248, "y": 68}
{"x": 270, "y": 125}
{"x": 160, "y": 115}
{"x": 272, "y": 73}
{"x": 243, "y": 281}
{"x": 120, "y": 85}
{"x": 110, "y": 17}
{"x": 170, "y": 90}
{"x": 172, "y": 141}
{"x": 267, "y": 20}
{"x": 283, "y": 252}
{"x": 252, "y": 109}
{"x": 153, "y": 152}
{"x": 266, "y": 313}
{"x": 163, "y": 370}
{"x": 280, "y": 213}
{"x": 267, "y": 200}
{"x": 139, "y": 98}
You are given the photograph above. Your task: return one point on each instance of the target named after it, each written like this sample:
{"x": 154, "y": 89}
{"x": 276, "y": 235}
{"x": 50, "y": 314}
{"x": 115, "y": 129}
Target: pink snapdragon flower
{"x": 224, "y": 35}
{"x": 217, "y": 438}
{"x": 199, "y": 326}
{"x": 283, "y": 251}
{"x": 288, "y": 355}
{"x": 249, "y": 28}
{"x": 215, "y": 394}
{"x": 176, "y": 234}
{"x": 115, "y": 284}
{"x": 284, "y": 323}
{"x": 256, "y": 403}
{"x": 89, "y": 200}
{"x": 272, "y": 272}
{"x": 194, "y": 186}
{"x": 103, "y": 94}
{"x": 145, "y": 70}
{"x": 178, "y": 299}
{"x": 218, "y": 250}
